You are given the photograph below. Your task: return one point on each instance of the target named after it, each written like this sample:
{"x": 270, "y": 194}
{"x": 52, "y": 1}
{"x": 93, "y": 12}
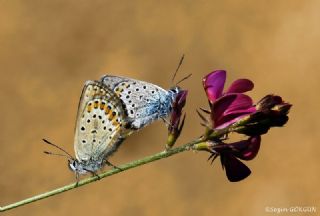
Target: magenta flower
{"x": 272, "y": 111}
{"x": 234, "y": 111}
{"x": 231, "y": 153}
{"x": 227, "y": 107}
{"x": 176, "y": 124}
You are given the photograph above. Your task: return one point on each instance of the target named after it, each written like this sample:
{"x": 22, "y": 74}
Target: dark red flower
{"x": 231, "y": 153}
{"x": 176, "y": 124}
{"x": 234, "y": 111}
{"x": 272, "y": 111}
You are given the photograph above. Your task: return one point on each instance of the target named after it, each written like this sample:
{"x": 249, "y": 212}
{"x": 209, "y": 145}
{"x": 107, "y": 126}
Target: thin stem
{"x": 130, "y": 165}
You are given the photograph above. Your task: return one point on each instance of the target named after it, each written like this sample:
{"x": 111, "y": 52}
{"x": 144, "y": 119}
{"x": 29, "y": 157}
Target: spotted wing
{"x": 144, "y": 102}
{"x": 99, "y": 122}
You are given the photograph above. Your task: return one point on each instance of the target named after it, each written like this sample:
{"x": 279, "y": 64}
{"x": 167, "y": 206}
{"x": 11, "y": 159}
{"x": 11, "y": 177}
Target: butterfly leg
{"x": 166, "y": 122}
{"x": 77, "y": 179}
{"x": 113, "y": 166}
{"x": 94, "y": 174}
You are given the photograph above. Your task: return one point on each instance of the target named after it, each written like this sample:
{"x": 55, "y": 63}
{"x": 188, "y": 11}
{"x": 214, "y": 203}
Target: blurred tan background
{"x": 48, "y": 49}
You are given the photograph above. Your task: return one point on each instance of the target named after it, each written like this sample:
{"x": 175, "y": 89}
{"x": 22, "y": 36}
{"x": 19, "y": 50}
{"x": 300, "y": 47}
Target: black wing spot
{"x": 83, "y": 128}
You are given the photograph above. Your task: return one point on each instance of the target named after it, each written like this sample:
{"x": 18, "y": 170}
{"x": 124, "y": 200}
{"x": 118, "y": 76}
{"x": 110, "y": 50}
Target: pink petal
{"x": 235, "y": 169}
{"x": 229, "y": 119}
{"x": 213, "y": 84}
{"x": 181, "y": 97}
{"x": 241, "y": 86}
{"x": 247, "y": 149}
{"x": 230, "y": 107}
{"x": 250, "y": 109}
{"x": 241, "y": 102}
{"x": 221, "y": 105}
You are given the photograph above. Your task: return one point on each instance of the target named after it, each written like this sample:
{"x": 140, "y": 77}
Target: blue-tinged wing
{"x": 144, "y": 102}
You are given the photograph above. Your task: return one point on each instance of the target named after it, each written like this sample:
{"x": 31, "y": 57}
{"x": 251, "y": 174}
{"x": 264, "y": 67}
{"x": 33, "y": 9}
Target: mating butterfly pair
{"x": 109, "y": 110}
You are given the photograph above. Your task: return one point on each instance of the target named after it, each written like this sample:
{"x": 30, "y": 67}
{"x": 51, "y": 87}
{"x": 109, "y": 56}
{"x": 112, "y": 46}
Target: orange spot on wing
{"x": 114, "y": 123}
{"x": 89, "y": 108}
{"x": 118, "y": 90}
{"x": 96, "y": 104}
{"x": 106, "y": 110}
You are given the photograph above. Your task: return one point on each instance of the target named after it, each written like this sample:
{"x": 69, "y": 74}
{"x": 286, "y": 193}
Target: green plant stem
{"x": 133, "y": 164}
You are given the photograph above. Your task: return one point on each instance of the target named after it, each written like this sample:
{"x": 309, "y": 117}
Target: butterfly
{"x": 99, "y": 130}
{"x": 110, "y": 110}
{"x": 144, "y": 102}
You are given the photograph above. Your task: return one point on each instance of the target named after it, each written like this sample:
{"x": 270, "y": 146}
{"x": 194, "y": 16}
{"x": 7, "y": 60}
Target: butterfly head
{"x": 175, "y": 90}
{"x": 177, "y": 96}
{"x": 75, "y": 166}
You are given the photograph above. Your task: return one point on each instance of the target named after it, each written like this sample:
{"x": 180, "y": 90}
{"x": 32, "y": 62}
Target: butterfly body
{"x": 110, "y": 110}
{"x": 99, "y": 128}
{"x": 144, "y": 102}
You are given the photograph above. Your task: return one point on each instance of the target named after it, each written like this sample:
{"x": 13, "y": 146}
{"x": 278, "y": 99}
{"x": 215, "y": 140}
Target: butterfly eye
{"x": 72, "y": 165}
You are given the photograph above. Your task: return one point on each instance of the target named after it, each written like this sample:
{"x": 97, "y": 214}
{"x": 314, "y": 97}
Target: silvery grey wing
{"x": 99, "y": 123}
{"x": 143, "y": 101}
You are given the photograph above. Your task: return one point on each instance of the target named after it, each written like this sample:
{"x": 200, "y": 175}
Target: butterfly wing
{"x": 100, "y": 119}
{"x": 144, "y": 102}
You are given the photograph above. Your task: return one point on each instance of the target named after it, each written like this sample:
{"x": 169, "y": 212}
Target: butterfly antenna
{"x": 58, "y": 147}
{"x": 179, "y": 65}
{"x": 56, "y": 154}
{"x": 183, "y": 79}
